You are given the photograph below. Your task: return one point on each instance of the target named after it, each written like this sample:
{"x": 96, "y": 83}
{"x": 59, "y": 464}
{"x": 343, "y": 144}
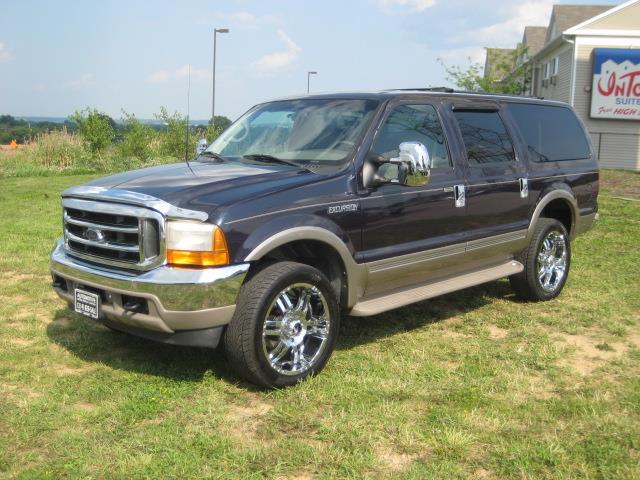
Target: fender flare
{"x": 356, "y": 273}
{"x": 558, "y": 193}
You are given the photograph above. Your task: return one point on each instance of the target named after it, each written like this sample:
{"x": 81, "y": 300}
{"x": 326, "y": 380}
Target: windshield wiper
{"x": 214, "y": 155}
{"x": 266, "y": 158}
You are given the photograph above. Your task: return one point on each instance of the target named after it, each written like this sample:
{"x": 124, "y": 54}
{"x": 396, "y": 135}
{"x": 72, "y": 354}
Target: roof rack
{"x": 453, "y": 90}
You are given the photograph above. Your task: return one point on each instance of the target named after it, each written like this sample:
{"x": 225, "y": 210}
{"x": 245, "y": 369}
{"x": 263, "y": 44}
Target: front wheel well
{"x": 560, "y": 210}
{"x": 316, "y": 254}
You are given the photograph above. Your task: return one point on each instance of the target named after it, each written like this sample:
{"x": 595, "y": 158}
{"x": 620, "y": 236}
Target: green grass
{"x": 470, "y": 385}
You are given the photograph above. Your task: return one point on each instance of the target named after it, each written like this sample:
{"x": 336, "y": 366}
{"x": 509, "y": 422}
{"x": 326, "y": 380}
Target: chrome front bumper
{"x": 176, "y": 299}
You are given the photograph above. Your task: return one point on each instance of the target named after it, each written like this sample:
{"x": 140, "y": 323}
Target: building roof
{"x": 563, "y": 17}
{"x": 499, "y": 62}
{"x": 533, "y": 39}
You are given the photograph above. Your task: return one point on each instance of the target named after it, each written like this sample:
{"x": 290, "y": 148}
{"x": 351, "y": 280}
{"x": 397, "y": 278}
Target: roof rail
{"x": 426, "y": 89}
{"x": 453, "y": 90}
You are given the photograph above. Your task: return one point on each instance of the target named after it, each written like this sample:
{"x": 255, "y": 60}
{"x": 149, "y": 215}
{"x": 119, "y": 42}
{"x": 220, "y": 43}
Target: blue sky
{"x": 57, "y": 57}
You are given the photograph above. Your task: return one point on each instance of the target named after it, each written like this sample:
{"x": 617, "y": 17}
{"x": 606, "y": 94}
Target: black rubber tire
{"x": 526, "y": 284}
{"x": 242, "y": 341}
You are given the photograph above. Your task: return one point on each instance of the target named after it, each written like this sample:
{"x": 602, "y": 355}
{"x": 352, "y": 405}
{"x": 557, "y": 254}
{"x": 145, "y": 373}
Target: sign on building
{"x": 616, "y": 84}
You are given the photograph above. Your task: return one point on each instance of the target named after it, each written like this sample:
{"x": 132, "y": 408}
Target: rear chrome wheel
{"x": 296, "y": 329}
{"x": 285, "y": 325}
{"x": 546, "y": 262}
{"x": 551, "y": 261}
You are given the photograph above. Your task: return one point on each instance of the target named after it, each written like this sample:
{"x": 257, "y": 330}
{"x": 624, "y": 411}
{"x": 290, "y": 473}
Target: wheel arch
{"x": 326, "y": 243}
{"x": 560, "y": 204}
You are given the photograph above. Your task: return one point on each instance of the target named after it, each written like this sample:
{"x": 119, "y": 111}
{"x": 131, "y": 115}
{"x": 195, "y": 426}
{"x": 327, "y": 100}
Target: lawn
{"x": 470, "y": 385}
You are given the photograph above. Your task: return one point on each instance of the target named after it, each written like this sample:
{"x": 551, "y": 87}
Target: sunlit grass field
{"x": 470, "y": 385}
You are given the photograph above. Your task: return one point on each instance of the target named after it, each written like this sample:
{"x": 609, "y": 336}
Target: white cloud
{"x": 455, "y": 56}
{"x": 160, "y": 76}
{"x": 508, "y": 32}
{"x": 5, "y": 54}
{"x": 391, "y": 7}
{"x": 163, "y": 76}
{"x": 242, "y": 20}
{"x": 282, "y": 59}
{"x": 82, "y": 82}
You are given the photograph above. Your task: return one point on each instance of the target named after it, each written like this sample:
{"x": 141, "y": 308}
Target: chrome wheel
{"x": 551, "y": 262}
{"x": 296, "y": 329}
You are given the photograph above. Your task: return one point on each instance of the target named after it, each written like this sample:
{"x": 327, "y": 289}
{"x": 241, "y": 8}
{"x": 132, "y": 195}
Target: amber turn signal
{"x": 196, "y": 245}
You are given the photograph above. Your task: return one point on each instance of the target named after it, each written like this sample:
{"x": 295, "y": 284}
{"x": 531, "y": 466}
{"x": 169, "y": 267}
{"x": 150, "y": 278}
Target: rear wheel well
{"x": 560, "y": 210}
{"x": 316, "y": 254}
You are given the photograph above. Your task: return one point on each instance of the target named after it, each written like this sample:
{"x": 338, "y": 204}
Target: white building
{"x": 591, "y": 60}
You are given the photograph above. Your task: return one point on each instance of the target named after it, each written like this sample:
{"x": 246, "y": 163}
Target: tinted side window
{"x": 552, "y": 133}
{"x": 413, "y": 123}
{"x": 485, "y": 137}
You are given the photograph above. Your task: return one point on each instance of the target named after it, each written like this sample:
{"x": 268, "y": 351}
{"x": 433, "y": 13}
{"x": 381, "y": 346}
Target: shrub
{"x": 138, "y": 139}
{"x": 96, "y": 128}
{"x": 173, "y": 137}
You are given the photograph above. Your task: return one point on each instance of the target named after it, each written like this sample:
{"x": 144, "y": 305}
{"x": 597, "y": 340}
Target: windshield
{"x": 319, "y": 134}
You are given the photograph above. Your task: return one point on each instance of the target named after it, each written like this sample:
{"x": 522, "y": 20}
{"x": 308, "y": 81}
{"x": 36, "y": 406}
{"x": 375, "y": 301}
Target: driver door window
{"x": 413, "y": 123}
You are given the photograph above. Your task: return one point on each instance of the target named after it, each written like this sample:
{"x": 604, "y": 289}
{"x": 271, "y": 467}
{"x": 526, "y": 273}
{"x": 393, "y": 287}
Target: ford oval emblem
{"x": 94, "y": 235}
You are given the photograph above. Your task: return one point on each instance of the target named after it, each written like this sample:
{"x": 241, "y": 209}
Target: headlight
{"x": 198, "y": 244}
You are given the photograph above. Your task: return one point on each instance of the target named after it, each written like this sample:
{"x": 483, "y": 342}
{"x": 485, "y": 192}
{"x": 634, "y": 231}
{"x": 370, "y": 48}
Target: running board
{"x": 383, "y": 303}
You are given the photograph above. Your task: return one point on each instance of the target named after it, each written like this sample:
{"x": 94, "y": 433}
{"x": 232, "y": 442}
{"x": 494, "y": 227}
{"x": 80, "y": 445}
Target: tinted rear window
{"x": 552, "y": 133}
{"x": 485, "y": 137}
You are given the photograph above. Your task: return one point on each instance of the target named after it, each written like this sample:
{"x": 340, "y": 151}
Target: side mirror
{"x": 411, "y": 167}
{"x": 201, "y": 146}
{"x": 416, "y": 156}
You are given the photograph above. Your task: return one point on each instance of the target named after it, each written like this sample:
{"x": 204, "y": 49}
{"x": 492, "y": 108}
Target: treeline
{"x": 24, "y": 131}
{"x": 92, "y": 142}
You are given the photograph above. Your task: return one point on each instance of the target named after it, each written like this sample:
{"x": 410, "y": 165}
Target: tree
{"x": 137, "y": 138}
{"x": 473, "y": 78}
{"x": 221, "y": 122}
{"x": 172, "y": 140}
{"x": 96, "y": 128}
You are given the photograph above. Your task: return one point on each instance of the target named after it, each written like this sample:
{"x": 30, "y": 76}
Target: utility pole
{"x": 213, "y": 92}
{"x": 308, "y": 79}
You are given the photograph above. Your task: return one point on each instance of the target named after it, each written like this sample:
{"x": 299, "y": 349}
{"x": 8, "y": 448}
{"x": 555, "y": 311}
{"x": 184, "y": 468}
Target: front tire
{"x": 285, "y": 325}
{"x": 546, "y": 262}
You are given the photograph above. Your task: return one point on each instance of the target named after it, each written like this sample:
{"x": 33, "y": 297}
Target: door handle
{"x": 524, "y": 188}
{"x": 459, "y": 196}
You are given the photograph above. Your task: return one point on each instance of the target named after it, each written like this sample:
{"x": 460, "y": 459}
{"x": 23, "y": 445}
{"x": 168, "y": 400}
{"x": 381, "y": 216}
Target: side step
{"x": 383, "y": 303}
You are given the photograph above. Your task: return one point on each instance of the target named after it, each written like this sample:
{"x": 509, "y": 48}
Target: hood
{"x": 206, "y": 185}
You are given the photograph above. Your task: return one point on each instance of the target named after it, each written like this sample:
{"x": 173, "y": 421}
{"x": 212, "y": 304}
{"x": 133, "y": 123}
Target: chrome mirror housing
{"x": 201, "y": 146}
{"x": 416, "y": 156}
{"x": 411, "y": 167}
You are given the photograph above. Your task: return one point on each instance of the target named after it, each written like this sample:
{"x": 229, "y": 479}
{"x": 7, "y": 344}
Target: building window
{"x": 555, "y": 66}
{"x": 546, "y": 71}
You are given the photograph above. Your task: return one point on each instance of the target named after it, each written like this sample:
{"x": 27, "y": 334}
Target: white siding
{"x": 561, "y": 90}
{"x": 620, "y": 151}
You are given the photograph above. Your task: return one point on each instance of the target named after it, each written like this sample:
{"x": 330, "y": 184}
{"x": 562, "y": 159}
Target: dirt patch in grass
{"x": 62, "y": 370}
{"x": 483, "y": 473}
{"x": 245, "y": 420}
{"x": 496, "y": 332}
{"x": 21, "y": 342}
{"x": 590, "y": 352}
{"x": 392, "y": 460}
{"x": 298, "y": 476}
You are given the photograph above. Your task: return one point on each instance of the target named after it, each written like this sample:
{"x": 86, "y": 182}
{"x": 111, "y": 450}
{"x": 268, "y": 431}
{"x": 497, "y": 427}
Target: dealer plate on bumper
{"x": 87, "y": 303}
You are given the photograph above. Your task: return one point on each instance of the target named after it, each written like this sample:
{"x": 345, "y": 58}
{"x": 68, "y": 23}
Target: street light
{"x": 213, "y": 93}
{"x": 308, "y": 77}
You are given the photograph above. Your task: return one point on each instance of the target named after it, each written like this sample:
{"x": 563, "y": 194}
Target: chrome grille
{"x": 113, "y": 234}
